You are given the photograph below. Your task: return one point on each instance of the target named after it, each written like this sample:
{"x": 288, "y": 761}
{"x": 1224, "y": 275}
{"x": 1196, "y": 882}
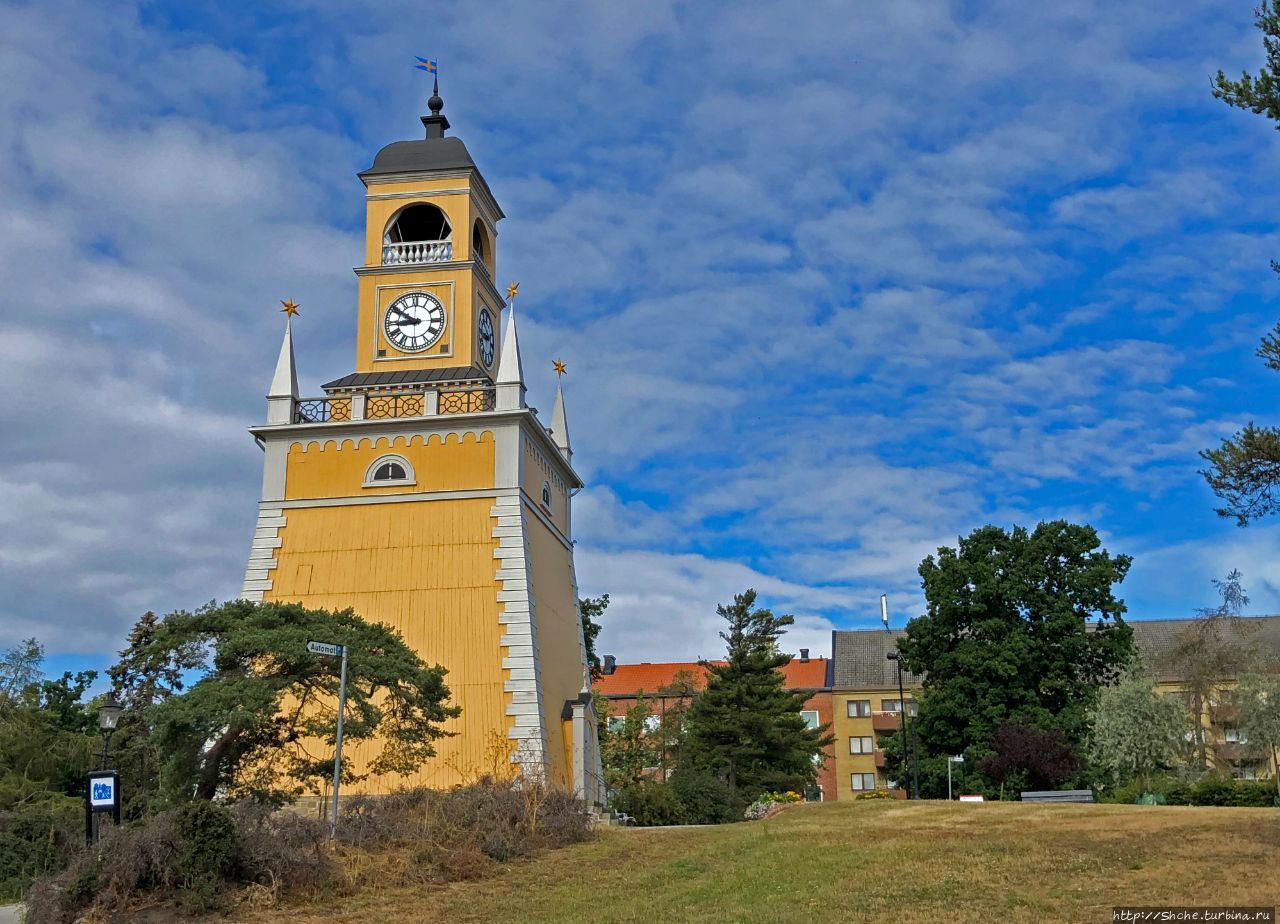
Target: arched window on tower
{"x": 418, "y": 233}
{"x": 388, "y": 470}
{"x": 481, "y": 250}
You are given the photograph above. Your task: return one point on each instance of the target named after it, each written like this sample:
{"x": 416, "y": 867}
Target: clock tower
{"x": 423, "y": 492}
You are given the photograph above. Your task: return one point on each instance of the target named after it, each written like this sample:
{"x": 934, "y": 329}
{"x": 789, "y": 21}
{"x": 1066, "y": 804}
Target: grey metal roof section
{"x": 1254, "y": 636}
{"x": 407, "y": 377}
{"x": 422, "y": 156}
{"x": 860, "y": 662}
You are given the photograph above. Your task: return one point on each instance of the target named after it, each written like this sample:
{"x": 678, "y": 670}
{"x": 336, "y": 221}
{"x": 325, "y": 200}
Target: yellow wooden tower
{"x": 423, "y": 492}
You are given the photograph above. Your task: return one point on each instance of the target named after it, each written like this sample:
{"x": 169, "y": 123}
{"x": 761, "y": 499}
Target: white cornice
{"x": 390, "y": 428}
{"x": 486, "y": 282}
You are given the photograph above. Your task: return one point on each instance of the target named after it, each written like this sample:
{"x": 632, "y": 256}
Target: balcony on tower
{"x": 396, "y": 396}
{"x": 417, "y": 234}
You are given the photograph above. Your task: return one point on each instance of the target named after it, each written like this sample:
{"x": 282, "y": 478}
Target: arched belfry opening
{"x": 481, "y": 248}
{"x": 418, "y": 233}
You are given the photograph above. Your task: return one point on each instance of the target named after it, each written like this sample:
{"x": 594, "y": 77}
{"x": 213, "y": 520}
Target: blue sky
{"x": 836, "y": 283}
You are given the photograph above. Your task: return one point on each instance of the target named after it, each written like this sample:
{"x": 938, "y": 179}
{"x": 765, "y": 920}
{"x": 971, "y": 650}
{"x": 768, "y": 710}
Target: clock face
{"x": 486, "y": 336}
{"x": 414, "y": 321}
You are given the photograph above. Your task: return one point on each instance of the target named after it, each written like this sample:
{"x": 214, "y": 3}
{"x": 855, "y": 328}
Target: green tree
{"x": 1019, "y": 625}
{"x": 629, "y": 749}
{"x": 745, "y": 726}
{"x": 1259, "y": 699}
{"x": 590, "y": 611}
{"x": 1244, "y": 471}
{"x": 676, "y": 698}
{"x": 1261, "y": 93}
{"x": 19, "y": 671}
{"x": 1136, "y": 731}
{"x": 260, "y": 718}
{"x": 1208, "y": 655}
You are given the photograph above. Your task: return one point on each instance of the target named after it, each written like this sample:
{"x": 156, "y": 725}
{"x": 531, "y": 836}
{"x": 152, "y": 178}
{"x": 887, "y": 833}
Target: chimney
{"x": 610, "y": 664}
{"x": 804, "y": 655}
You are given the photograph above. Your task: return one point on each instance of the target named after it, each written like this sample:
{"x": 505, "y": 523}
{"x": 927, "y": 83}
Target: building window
{"x": 861, "y": 782}
{"x": 895, "y": 705}
{"x": 1235, "y": 736}
{"x": 388, "y": 470}
{"x": 810, "y": 717}
{"x": 860, "y": 745}
{"x": 858, "y": 708}
{"x": 546, "y": 494}
{"x": 1245, "y": 772}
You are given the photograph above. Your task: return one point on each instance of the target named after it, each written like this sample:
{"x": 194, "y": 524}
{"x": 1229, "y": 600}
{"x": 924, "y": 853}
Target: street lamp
{"x": 902, "y": 703}
{"x": 108, "y": 719}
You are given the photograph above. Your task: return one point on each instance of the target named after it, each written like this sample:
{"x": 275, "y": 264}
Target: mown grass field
{"x": 868, "y": 861}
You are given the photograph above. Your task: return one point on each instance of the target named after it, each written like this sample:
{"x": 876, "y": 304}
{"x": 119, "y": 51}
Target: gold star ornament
{"x": 559, "y": 367}
{"x": 512, "y": 290}
{"x": 289, "y": 308}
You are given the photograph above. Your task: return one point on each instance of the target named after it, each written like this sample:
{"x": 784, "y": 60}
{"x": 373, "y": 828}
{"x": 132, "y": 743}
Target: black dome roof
{"x": 421, "y": 156}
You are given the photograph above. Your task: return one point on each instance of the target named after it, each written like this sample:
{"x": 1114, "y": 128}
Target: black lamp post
{"x": 902, "y": 705}
{"x": 108, "y": 719}
{"x": 902, "y": 725}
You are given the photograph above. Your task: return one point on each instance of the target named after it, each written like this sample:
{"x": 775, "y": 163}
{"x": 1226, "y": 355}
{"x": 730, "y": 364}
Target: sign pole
{"x": 337, "y": 746}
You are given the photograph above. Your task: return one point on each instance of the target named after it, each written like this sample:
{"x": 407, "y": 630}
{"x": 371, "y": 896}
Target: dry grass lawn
{"x": 908, "y": 863}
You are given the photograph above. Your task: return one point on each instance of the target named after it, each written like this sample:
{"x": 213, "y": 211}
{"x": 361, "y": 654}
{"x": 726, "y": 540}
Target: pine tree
{"x": 746, "y": 727}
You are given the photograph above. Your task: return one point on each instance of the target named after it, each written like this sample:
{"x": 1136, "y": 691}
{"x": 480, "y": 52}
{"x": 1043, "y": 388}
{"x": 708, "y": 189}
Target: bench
{"x": 1059, "y": 795}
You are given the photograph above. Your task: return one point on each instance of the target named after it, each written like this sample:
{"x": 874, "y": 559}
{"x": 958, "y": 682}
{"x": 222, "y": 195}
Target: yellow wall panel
{"x": 427, "y": 569}
{"x": 332, "y": 469}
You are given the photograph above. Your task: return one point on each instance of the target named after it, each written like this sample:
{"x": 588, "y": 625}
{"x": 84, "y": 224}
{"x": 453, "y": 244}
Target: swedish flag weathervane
{"x": 430, "y": 66}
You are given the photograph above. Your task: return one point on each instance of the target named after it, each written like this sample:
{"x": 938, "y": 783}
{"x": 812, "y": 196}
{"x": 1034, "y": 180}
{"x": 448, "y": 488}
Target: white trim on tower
{"x": 519, "y": 639}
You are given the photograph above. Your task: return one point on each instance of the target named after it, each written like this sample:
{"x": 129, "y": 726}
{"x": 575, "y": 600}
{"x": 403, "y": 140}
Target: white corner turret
{"x": 559, "y": 428}
{"x": 510, "y": 380}
{"x": 284, "y": 384}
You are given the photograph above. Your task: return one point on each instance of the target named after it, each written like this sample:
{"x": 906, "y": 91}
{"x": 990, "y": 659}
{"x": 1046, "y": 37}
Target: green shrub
{"x": 650, "y": 803}
{"x": 38, "y": 839}
{"x": 208, "y": 852}
{"x": 705, "y": 798}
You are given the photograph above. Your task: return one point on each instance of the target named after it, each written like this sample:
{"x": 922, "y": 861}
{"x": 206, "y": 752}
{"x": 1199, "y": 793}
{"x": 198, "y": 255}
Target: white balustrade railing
{"x": 417, "y": 252}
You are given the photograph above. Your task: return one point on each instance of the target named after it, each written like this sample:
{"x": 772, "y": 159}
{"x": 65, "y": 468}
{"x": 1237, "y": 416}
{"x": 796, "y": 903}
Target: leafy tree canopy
{"x": 1244, "y": 471}
{"x": 1019, "y": 624}
{"x": 590, "y": 611}
{"x": 1211, "y": 651}
{"x": 1027, "y": 757}
{"x": 745, "y": 725}
{"x": 1136, "y": 731}
{"x": 1259, "y": 699}
{"x": 1258, "y": 93}
{"x": 260, "y": 718}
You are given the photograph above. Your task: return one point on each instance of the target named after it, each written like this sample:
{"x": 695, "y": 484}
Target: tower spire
{"x": 435, "y": 124}
{"x": 284, "y": 384}
{"x": 559, "y": 427}
{"x": 510, "y": 380}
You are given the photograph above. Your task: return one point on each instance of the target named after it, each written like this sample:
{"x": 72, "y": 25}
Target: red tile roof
{"x": 630, "y": 679}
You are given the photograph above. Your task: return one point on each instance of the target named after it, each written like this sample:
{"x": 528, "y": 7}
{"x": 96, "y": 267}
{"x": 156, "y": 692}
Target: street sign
{"x": 324, "y": 648}
{"x": 974, "y": 798}
{"x": 101, "y": 795}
